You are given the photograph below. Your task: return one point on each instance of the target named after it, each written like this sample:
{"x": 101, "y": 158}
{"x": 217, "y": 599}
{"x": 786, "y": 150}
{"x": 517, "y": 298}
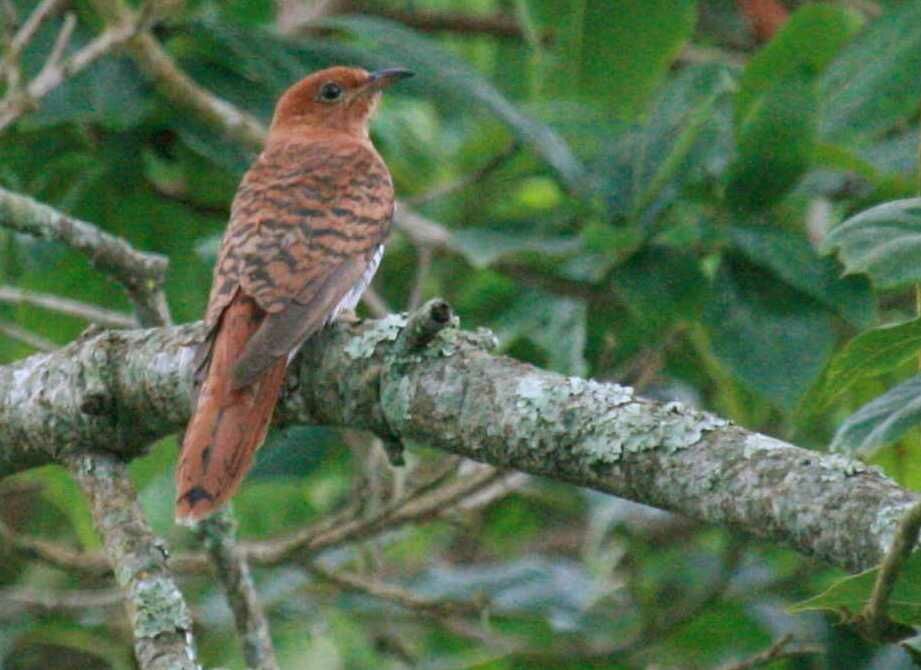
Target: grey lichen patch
{"x": 756, "y": 444}
{"x": 838, "y": 466}
{"x": 886, "y": 523}
{"x": 602, "y": 422}
{"x": 383, "y": 330}
{"x": 159, "y": 608}
{"x": 396, "y": 401}
{"x": 636, "y": 426}
{"x": 452, "y": 340}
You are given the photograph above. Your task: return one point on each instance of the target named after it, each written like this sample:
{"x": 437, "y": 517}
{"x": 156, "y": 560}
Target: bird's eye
{"x": 330, "y": 92}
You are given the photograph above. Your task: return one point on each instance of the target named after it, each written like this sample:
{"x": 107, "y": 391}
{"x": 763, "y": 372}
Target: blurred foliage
{"x": 657, "y": 200}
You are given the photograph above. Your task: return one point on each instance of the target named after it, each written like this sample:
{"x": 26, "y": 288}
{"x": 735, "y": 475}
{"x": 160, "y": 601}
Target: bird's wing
{"x": 304, "y": 226}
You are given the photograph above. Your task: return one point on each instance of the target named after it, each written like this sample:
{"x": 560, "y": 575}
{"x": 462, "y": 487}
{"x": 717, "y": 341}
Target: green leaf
{"x": 849, "y": 595}
{"x": 661, "y": 285}
{"x": 626, "y": 53}
{"x": 773, "y": 338}
{"x": 792, "y": 259}
{"x": 454, "y": 80}
{"x": 870, "y": 354}
{"x": 876, "y": 82}
{"x": 883, "y": 420}
{"x": 883, "y": 242}
{"x": 775, "y": 142}
{"x": 556, "y": 325}
{"x": 685, "y": 138}
{"x": 809, "y": 40}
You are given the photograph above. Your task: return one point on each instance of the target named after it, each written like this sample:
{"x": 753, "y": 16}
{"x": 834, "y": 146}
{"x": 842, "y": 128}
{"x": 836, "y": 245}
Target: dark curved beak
{"x": 381, "y": 79}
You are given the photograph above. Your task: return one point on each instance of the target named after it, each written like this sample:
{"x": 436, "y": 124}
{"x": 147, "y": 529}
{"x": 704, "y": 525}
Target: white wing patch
{"x": 354, "y": 295}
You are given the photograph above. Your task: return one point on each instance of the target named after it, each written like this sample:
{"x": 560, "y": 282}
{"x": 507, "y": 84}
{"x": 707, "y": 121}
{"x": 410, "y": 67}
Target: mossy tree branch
{"x": 127, "y": 388}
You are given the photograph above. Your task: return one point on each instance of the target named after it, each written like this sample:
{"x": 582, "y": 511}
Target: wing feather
{"x": 305, "y": 224}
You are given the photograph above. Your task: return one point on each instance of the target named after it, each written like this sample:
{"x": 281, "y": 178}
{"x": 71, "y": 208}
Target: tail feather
{"x": 228, "y": 424}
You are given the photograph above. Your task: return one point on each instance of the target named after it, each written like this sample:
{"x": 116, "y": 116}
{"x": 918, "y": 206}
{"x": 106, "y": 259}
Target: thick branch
{"x": 127, "y": 388}
{"x": 159, "y": 617}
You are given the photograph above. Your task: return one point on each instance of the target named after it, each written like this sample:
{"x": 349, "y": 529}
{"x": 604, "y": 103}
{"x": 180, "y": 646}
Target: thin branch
{"x": 43, "y": 11}
{"x": 779, "y": 650}
{"x": 403, "y": 597}
{"x": 20, "y": 100}
{"x": 219, "y": 535}
{"x": 375, "y": 303}
{"x": 420, "y": 230}
{"x": 463, "y": 182}
{"x": 141, "y": 274}
{"x": 423, "y": 268}
{"x": 159, "y": 617}
{"x": 14, "y": 602}
{"x": 430, "y": 499}
{"x": 27, "y": 337}
{"x": 103, "y": 317}
{"x": 65, "y": 558}
{"x": 873, "y": 620}
{"x": 462, "y": 23}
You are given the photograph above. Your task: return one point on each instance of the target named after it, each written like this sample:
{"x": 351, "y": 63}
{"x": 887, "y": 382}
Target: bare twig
{"x": 159, "y": 617}
{"x": 81, "y": 310}
{"x": 54, "y": 554}
{"x": 27, "y": 337}
{"x": 423, "y": 268}
{"x": 19, "y": 100}
{"x": 395, "y": 594}
{"x": 375, "y": 303}
{"x": 15, "y": 601}
{"x": 873, "y": 620}
{"x": 44, "y": 10}
{"x": 420, "y": 230}
{"x": 219, "y": 535}
{"x": 779, "y": 650}
{"x": 429, "y": 499}
{"x": 141, "y": 274}
{"x": 466, "y": 180}
{"x": 462, "y": 23}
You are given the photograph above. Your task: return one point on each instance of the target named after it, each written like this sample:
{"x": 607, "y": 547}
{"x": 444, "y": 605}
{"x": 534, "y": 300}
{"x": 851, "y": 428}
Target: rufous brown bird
{"x": 306, "y": 234}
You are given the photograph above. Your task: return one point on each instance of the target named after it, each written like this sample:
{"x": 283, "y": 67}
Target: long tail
{"x": 228, "y": 425}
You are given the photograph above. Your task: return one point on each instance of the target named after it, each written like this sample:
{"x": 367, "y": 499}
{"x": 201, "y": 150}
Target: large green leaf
{"x": 810, "y": 40}
{"x": 870, "y": 354}
{"x": 876, "y": 82}
{"x": 773, "y": 338}
{"x": 686, "y": 137}
{"x": 792, "y": 259}
{"x": 441, "y": 72}
{"x": 848, "y": 596}
{"x": 776, "y": 139}
{"x": 882, "y": 421}
{"x": 883, "y": 242}
{"x": 555, "y": 325}
{"x": 626, "y": 52}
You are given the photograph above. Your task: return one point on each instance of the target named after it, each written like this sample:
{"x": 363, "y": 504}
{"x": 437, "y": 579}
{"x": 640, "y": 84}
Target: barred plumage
{"x": 306, "y": 233}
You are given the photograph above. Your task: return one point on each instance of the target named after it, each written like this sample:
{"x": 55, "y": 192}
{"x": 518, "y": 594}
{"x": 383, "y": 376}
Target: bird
{"x": 306, "y": 234}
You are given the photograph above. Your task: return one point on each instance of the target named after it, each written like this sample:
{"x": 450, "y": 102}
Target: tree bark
{"x": 441, "y": 387}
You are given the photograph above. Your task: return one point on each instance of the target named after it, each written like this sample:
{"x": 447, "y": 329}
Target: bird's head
{"x": 335, "y": 99}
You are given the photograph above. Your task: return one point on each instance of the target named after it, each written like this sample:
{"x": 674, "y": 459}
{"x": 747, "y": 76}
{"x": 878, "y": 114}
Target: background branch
{"x": 159, "y": 617}
{"x": 141, "y": 274}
